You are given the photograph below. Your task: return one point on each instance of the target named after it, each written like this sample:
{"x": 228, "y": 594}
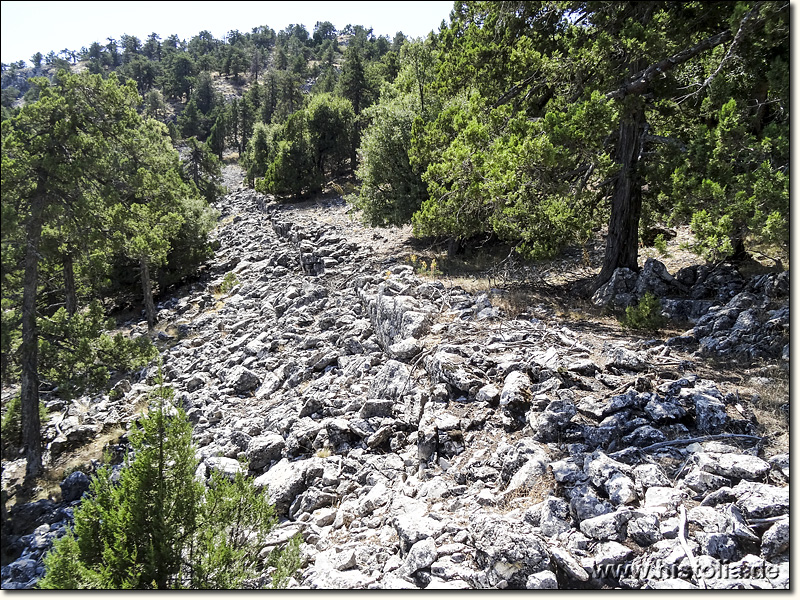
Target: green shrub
{"x": 11, "y": 425}
{"x": 646, "y": 315}
{"x": 78, "y": 352}
{"x": 160, "y": 528}
{"x": 229, "y": 282}
{"x": 660, "y": 244}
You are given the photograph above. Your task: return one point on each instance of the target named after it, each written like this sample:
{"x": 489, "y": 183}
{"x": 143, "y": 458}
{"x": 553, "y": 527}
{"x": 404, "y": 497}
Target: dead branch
{"x": 706, "y": 438}
{"x": 745, "y": 25}
{"x": 685, "y": 545}
{"x": 639, "y": 82}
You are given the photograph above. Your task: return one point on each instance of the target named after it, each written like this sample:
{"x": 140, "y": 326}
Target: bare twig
{"x": 685, "y": 545}
{"x": 767, "y": 520}
{"x": 707, "y": 438}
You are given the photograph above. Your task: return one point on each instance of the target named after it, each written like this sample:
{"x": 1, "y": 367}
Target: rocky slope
{"x": 417, "y": 438}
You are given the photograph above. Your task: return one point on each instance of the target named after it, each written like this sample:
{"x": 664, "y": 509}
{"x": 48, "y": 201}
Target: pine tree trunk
{"x": 147, "y": 292}
{"x": 29, "y": 349}
{"x": 622, "y": 243}
{"x": 71, "y": 296}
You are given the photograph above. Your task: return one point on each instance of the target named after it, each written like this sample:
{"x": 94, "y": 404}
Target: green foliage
{"x": 160, "y": 528}
{"x": 229, "y": 282}
{"x": 11, "y": 425}
{"x": 392, "y": 189}
{"x": 713, "y": 237}
{"x": 201, "y": 165}
{"x": 285, "y": 562}
{"x": 77, "y": 353}
{"x": 503, "y": 174}
{"x": 297, "y": 157}
{"x": 331, "y": 123}
{"x": 293, "y": 171}
{"x": 87, "y": 183}
{"x": 523, "y": 108}
{"x": 353, "y": 82}
{"x": 10, "y": 336}
{"x": 733, "y": 184}
{"x": 646, "y": 315}
{"x": 154, "y": 105}
{"x": 261, "y": 151}
{"x": 660, "y": 244}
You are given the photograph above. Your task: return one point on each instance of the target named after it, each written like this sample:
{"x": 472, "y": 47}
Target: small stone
{"x": 701, "y": 481}
{"x": 644, "y": 436}
{"x": 621, "y": 489}
{"x": 421, "y": 556}
{"x": 568, "y": 564}
{"x": 734, "y": 466}
{"x": 242, "y": 380}
{"x": 543, "y": 580}
{"x": 585, "y": 503}
{"x": 516, "y": 389}
{"x": 566, "y": 471}
{"x": 662, "y": 411}
{"x": 649, "y": 475}
{"x": 719, "y": 545}
{"x": 710, "y": 520}
{"x": 606, "y": 527}
{"x": 710, "y": 415}
{"x": 663, "y": 496}
{"x": 644, "y": 529}
{"x": 554, "y": 516}
{"x": 622, "y": 358}
{"x": 760, "y": 500}
{"x": 487, "y": 393}
{"x": 611, "y": 553}
{"x": 262, "y": 450}
{"x": 775, "y": 540}
{"x": 583, "y": 366}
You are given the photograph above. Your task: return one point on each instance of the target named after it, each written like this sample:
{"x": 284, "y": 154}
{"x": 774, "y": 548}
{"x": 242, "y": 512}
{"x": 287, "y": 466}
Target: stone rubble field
{"x": 418, "y": 438}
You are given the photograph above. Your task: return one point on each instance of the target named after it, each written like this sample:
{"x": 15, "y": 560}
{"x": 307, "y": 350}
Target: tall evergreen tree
{"x": 82, "y": 158}
{"x": 579, "y": 106}
{"x": 62, "y": 141}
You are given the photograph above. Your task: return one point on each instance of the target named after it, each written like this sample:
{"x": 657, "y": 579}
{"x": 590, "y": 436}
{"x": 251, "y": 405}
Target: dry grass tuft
{"x": 771, "y": 409}
{"x": 527, "y": 496}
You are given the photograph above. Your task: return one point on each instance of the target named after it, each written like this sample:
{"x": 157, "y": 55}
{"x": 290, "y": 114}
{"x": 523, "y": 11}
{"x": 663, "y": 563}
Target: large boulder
{"x": 507, "y": 550}
{"x": 287, "y": 480}
{"x": 74, "y": 486}
{"x": 242, "y": 380}
{"x": 655, "y": 278}
{"x": 397, "y": 318}
{"x": 619, "y": 292}
{"x": 392, "y": 381}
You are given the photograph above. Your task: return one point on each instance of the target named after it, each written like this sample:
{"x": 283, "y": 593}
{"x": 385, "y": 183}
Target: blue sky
{"x": 30, "y": 27}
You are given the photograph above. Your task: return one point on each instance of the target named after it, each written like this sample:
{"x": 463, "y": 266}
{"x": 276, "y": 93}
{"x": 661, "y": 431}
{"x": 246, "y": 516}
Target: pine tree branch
{"x": 745, "y": 25}
{"x": 639, "y": 82}
{"x": 516, "y": 89}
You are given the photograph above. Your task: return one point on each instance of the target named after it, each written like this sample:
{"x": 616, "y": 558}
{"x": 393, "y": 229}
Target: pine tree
{"x": 160, "y": 528}
{"x": 53, "y": 148}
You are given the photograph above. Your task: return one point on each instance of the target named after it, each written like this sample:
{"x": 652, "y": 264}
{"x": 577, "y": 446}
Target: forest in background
{"x": 533, "y": 124}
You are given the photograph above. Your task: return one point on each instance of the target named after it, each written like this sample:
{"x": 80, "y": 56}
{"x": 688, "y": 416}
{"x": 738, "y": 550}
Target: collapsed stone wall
{"x": 731, "y": 317}
{"x": 419, "y": 439}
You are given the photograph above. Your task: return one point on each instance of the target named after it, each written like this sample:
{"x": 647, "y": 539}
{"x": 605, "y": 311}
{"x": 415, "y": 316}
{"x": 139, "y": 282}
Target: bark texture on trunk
{"x": 147, "y": 292}
{"x": 29, "y": 349}
{"x": 622, "y": 243}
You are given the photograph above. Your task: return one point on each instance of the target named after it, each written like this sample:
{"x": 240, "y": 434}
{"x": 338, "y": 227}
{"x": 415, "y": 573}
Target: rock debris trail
{"x": 419, "y": 439}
